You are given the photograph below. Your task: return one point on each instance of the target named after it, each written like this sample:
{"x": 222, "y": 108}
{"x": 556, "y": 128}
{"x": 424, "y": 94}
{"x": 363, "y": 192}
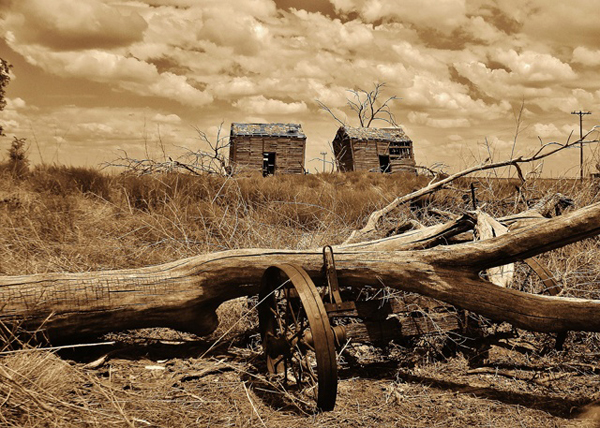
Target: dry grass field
{"x": 57, "y": 218}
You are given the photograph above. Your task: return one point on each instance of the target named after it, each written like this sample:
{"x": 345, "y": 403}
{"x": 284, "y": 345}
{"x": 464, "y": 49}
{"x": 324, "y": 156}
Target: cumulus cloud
{"x": 261, "y": 105}
{"x": 124, "y": 72}
{"x": 530, "y": 80}
{"x": 444, "y": 15}
{"x": 228, "y": 86}
{"x": 424, "y": 119}
{"x": 483, "y": 30}
{"x": 534, "y": 66}
{"x": 546, "y": 130}
{"x": 418, "y": 57}
{"x": 450, "y": 99}
{"x": 166, "y": 118}
{"x": 585, "y": 56}
{"x": 558, "y": 23}
{"x": 74, "y": 25}
{"x": 15, "y": 104}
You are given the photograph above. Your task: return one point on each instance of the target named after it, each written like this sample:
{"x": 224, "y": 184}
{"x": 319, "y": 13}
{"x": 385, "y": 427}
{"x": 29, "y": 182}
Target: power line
{"x": 581, "y": 114}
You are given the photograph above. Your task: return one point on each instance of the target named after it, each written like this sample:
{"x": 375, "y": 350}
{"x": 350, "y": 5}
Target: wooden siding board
{"x": 248, "y": 153}
{"x": 365, "y": 155}
{"x": 364, "y": 149}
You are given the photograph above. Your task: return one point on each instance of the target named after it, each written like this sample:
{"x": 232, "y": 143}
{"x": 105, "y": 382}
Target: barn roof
{"x": 292, "y": 130}
{"x": 382, "y": 134}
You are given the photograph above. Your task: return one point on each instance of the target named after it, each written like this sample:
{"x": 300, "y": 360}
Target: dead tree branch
{"x": 367, "y": 106}
{"x": 198, "y": 162}
{"x": 377, "y": 216}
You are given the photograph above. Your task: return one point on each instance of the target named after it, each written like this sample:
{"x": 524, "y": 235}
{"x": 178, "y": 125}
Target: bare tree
{"x": 203, "y": 161}
{"x": 368, "y": 106}
{"x": 213, "y": 160}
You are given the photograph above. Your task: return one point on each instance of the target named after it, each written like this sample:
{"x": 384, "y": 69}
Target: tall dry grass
{"x": 58, "y": 218}
{"x": 74, "y": 219}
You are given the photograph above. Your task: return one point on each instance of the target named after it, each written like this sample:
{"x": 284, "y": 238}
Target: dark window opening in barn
{"x": 384, "y": 163}
{"x": 399, "y": 150}
{"x": 268, "y": 163}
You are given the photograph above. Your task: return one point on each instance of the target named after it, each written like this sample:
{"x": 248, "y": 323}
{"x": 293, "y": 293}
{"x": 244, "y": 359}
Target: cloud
{"x": 258, "y": 8}
{"x": 100, "y": 129}
{"x": 96, "y": 134}
{"x": 424, "y": 119}
{"x": 479, "y": 28}
{"x": 15, "y": 104}
{"x": 450, "y": 100}
{"x": 74, "y": 25}
{"x": 560, "y": 23}
{"x": 123, "y": 72}
{"x": 586, "y": 56}
{"x": 417, "y": 57}
{"x": 531, "y": 66}
{"x": 227, "y": 87}
{"x": 237, "y": 26}
{"x": 166, "y": 118}
{"x": 528, "y": 75}
{"x": 13, "y": 116}
{"x": 546, "y": 130}
{"x": 261, "y": 105}
{"x": 443, "y": 15}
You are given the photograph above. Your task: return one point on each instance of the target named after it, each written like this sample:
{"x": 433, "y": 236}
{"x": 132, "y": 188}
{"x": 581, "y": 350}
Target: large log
{"x": 184, "y": 294}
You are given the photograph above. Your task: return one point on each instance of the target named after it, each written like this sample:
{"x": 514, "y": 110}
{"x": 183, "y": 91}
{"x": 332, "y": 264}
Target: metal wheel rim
{"x": 312, "y": 308}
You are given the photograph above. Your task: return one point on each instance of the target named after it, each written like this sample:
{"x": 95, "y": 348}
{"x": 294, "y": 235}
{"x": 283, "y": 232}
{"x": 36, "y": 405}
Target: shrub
{"x": 18, "y": 163}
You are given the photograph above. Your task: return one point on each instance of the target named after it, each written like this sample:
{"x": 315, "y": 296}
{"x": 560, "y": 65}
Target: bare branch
{"x": 376, "y": 217}
{"x": 198, "y": 162}
{"x": 328, "y": 110}
{"x": 366, "y": 105}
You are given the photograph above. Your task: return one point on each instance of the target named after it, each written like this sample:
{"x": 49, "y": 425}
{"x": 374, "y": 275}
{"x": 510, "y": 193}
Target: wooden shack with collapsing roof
{"x": 273, "y": 148}
{"x": 374, "y": 149}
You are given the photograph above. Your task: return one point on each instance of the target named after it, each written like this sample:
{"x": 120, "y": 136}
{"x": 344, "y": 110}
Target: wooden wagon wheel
{"x": 296, "y": 334}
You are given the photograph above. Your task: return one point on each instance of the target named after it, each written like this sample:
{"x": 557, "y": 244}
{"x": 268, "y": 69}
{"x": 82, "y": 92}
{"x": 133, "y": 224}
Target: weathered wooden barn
{"x": 273, "y": 148}
{"x": 373, "y": 149}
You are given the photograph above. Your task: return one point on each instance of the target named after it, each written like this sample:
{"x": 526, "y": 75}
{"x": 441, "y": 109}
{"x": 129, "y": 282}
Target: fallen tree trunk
{"x": 184, "y": 294}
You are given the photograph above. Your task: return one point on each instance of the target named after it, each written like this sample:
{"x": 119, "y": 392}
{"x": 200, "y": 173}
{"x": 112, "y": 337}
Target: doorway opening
{"x": 384, "y": 163}
{"x": 268, "y": 163}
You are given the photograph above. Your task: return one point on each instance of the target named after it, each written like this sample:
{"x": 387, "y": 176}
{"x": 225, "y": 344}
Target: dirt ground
{"x": 163, "y": 378}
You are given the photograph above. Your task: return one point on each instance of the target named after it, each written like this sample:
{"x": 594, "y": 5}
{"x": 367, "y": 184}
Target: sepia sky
{"x": 94, "y": 77}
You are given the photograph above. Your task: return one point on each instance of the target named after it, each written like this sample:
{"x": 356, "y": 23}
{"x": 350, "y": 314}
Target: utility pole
{"x": 323, "y": 154}
{"x": 581, "y": 113}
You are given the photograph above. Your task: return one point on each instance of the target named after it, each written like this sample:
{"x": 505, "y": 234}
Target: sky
{"x": 93, "y": 80}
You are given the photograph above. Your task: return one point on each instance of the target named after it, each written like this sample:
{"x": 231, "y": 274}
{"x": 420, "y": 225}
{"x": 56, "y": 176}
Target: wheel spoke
{"x": 295, "y": 309}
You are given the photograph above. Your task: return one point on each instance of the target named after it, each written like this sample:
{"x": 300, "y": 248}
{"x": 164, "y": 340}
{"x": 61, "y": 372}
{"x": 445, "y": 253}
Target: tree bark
{"x": 184, "y": 294}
